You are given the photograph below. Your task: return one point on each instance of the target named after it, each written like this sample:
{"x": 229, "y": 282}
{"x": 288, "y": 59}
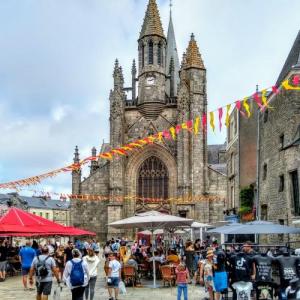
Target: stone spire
{"x": 133, "y": 80}
{"x": 193, "y": 56}
{"x": 76, "y": 155}
{"x": 118, "y": 75}
{"x": 172, "y": 53}
{"x": 152, "y": 23}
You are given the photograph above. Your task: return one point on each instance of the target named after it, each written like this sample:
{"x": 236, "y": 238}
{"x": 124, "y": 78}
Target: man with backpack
{"x": 76, "y": 275}
{"x": 43, "y": 266}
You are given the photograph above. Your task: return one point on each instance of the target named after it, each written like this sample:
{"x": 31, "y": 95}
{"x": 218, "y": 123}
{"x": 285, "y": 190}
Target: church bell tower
{"x": 152, "y": 59}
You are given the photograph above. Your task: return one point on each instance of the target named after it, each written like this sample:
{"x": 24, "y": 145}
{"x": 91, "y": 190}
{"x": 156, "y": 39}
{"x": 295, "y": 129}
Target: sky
{"x": 57, "y": 58}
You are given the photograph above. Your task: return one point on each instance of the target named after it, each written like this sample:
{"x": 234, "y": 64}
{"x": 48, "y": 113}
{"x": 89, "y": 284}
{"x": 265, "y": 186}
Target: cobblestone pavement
{"x": 12, "y": 289}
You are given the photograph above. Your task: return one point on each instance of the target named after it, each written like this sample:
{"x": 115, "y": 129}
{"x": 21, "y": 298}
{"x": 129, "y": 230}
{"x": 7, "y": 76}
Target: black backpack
{"x": 42, "y": 270}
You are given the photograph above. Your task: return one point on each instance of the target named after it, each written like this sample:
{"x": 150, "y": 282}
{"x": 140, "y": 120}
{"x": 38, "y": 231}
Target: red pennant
{"x": 257, "y": 99}
{"x": 275, "y": 90}
{"x": 296, "y": 80}
{"x": 178, "y": 128}
{"x": 220, "y": 110}
{"x": 204, "y": 122}
{"x": 167, "y": 135}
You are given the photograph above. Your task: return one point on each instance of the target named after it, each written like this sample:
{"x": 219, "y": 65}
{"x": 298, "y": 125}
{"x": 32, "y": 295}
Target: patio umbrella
{"x": 256, "y": 227}
{"x": 151, "y": 220}
{"x": 200, "y": 226}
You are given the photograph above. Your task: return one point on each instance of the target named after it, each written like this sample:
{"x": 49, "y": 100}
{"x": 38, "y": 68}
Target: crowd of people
{"x": 74, "y": 264}
{"x": 238, "y": 269}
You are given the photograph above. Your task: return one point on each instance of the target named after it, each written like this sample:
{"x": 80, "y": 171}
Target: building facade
{"x": 163, "y": 94}
{"x": 53, "y": 210}
{"x": 264, "y": 151}
{"x": 279, "y": 146}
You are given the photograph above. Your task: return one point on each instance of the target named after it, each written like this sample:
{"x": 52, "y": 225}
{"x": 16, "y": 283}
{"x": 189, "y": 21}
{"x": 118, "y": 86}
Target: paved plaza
{"x": 12, "y": 288}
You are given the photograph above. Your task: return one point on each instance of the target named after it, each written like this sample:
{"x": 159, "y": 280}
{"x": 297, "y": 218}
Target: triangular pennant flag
{"x": 212, "y": 120}
{"x": 166, "y": 134}
{"x": 227, "y": 119}
{"x": 257, "y": 99}
{"x": 196, "y": 125}
{"x": 275, "y": 90}
{"x": 220, "y": 110}
{"x": 247, "y": 107}
{"x": 173, "y": 133}
{"x": 204, "y": 122}
{"x": 239, "y": 106}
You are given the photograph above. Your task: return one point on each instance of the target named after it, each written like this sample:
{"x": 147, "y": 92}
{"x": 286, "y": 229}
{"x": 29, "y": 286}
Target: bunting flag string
{"x": 192, "y": 126}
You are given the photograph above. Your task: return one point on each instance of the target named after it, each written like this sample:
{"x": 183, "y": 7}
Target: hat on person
{"x": 210, "y": 253}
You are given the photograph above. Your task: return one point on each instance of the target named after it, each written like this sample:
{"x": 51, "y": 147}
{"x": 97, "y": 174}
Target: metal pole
{"x": 257, "y": 168}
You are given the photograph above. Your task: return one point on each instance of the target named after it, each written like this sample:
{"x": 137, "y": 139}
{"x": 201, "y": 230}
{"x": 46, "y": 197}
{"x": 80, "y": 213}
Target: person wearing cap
{"x": 206, "y": 273}
{"x": 77, "y": 291}
{"x": 92, "y": 261}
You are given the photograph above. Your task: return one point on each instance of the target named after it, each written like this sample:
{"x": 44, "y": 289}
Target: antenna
{"x": 171, "y": 5}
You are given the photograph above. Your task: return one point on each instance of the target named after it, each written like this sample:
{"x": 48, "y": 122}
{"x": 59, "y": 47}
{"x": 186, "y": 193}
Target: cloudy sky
{"x": 57, "y": 57}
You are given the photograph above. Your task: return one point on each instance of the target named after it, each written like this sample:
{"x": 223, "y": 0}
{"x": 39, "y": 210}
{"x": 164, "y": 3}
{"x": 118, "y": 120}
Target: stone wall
{"x": 283, "y": 119}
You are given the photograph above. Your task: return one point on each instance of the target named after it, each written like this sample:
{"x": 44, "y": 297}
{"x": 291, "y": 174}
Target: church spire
{"x": 172, "y": 53}
{"x": 152, "y": 23}
{"x": 193, "y": 56}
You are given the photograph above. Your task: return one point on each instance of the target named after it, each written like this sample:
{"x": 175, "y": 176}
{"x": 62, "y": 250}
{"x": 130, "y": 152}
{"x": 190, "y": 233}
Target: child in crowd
{"x": 182, "y": 279}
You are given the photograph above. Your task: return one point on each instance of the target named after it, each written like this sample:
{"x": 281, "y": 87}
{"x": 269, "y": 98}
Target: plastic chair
{"x": 167, "y": 275}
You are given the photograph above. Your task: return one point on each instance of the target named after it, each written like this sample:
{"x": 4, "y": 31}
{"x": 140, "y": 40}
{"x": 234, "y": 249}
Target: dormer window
{"x": 150, "y": 52}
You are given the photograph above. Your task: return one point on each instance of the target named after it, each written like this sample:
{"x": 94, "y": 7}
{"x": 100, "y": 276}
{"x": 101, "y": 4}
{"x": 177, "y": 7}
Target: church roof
{"x": 292, "y": 60}
{"x": 152, "y": 23}
{"x": 193, "y": 56}
{"x": 220, "y": 168}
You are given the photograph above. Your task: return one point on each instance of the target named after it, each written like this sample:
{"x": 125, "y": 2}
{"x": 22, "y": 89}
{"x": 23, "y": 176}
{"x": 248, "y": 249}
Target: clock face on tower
{"x": 150, "y": 80}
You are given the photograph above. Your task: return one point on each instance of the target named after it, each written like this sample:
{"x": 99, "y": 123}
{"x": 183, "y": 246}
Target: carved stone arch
{"x": 134, "y": 164}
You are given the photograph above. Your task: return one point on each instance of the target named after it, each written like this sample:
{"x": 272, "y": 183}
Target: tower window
{"x": 295, "y": 192}
{"x": 150, "y": 53}
{"x": 159, "y": 54}
{"x": 266, "y": 116}
{"x": 281, "y": 183}
{"x": 281, "y": 141}
{"x": 143, "y": 55}
{"x": 265, "y": 171}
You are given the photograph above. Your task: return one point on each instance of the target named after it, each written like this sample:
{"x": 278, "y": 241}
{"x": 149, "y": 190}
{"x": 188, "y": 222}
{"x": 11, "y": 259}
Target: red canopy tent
{"x": 17, "y": 222}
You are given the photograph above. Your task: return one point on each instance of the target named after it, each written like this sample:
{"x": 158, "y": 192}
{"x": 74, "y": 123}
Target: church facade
{"x": 163, "y": 93}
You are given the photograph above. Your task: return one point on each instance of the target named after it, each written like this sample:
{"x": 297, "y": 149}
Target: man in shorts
{"x": 114, "y": 275}
{"x": 26, "y": 255}
{"x": 43, "y": 282}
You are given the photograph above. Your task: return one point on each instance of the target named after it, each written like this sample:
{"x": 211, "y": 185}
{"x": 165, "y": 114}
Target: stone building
{"x": 240, "y": 155}
{"x": 279, "y": 159}
{"x": 53, "y": 210}
{"x": 163, "y": 94}
{"x": 277, "y": 154}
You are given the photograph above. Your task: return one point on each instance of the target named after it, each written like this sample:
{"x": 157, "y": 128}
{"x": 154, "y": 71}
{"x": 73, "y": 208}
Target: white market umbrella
{"x": 151, "y": 220}
{"x": 200, "y": 226}
{"x": 155, "y": 232}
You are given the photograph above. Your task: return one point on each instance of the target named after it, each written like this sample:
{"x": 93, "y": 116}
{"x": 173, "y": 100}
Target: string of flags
{"x": 90, "y": 197}
{"x": 192, "y": 126}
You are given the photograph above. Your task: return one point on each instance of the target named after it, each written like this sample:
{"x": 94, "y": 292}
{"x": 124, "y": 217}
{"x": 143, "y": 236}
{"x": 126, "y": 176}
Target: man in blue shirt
{"x": 26, "y": 255}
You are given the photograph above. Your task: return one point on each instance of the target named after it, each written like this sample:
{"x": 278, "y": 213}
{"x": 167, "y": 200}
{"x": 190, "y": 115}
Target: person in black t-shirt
{"x": 68, "y": 252}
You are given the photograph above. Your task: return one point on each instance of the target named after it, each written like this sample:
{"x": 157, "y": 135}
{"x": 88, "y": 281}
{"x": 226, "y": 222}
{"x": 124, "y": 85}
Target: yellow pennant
{"x": 264, "y": 97}
{"x": 227, "y": 118}
{"x": 247, "y": 107}
{"x": 287, "y": 86}
{"x": 196, "y": 125}
{"x": 173, "y": 133}
{"x": 212, "y": 120}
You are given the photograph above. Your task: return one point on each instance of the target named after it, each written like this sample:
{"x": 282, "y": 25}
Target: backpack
{"x": 77, "y": 274}
{"x": 42, "y": 270}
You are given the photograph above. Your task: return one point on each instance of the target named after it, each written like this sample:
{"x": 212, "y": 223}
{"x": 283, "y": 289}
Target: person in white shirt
{"x": 114, "y": 275}
{"x": 92, "y": 261}
{"x": 71, "y": 266}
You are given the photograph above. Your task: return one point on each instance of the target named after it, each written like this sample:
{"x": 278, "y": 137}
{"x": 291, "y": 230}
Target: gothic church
{"x": 163, "y": 94}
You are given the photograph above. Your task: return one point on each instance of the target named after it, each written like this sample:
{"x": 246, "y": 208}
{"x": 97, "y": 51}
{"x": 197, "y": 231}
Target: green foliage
{"x": 246, "y": 197}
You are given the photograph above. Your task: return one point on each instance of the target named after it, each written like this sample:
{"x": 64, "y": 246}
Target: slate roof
{"x": 152, "y": 23}
{"x": 213, "y": 153}
{"x": 292, "y": 60}
{"x": 221, "y": 168}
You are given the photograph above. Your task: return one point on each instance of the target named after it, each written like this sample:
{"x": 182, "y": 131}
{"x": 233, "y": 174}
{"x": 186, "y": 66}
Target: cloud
{"x": 57, "y": 60}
